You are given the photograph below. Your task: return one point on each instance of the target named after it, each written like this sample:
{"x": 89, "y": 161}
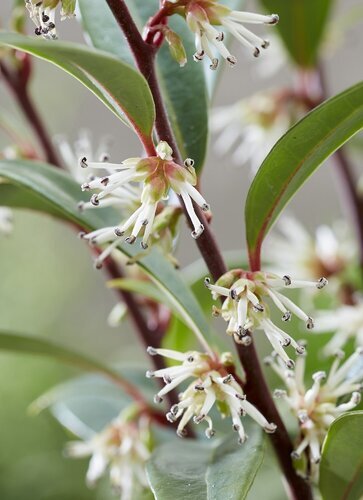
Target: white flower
{"x": 246, "y": 308}
{"x": 346, "y": 322}
{"x": 42, "y": 13}
{"x": 203, "y": 17}
{"x": 250, "y": 128}
{"x": 212, "y": 385}
{"x": 327, "y": 253}
{"x": 6, "y": 220}
{"x": 316, "y": 408}
{"x": 71, "y": 154}
{"x": 157, "y": 175}
{"x": 122, "y": 449}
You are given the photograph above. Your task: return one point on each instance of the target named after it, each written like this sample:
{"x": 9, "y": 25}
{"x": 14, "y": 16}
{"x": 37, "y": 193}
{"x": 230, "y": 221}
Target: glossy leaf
{"x": 122, "y": 89}
{"x": 62, "y": 194}
{"x": 206, "y": 470}
{"x": 302, "y": 25}
{"x": 187, "y": 110}
{"x": 85, "y": 405}
{"x": 27, "y": 344}
{"x": 341, "y": 468}
{"x": 295, "y": 157}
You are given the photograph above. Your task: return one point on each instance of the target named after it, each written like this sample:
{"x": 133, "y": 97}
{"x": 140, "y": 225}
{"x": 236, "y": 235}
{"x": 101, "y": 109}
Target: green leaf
{"x": 296, "y": 156}
{"x": 62, "y": 194}
{"x": 206, "y": 470}
{"x": 144, "y": 288}
{"x": 301, "y": 26}
{"x": 183, "y": 89}
{"x": 86, "y": 404}
{"x": 35, "y": 345}
{"x": 122, "y": 89}
{"x": 341, "y": 467}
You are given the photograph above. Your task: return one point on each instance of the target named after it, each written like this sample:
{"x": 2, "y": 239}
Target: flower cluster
{"x": 246, "y": 308}
{"x": 251, "y": 127}
{"x": 42, "y": 13}
{"x": 346, "y": 322}
{"x": 212, "y": 385}
{"x": 316, "y": 408}
{"x": 123, "y": 448}
{"x": 202, "y": 17}
{"x": 156, "y": 177}
{"x": 327, "y": 253}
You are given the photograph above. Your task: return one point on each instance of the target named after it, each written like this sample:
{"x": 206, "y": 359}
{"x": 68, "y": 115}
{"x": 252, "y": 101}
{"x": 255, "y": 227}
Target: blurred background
{"x": 48, "y": 286}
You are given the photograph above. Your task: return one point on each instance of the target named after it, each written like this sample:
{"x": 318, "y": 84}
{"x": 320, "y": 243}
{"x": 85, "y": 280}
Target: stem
{"x": 256, "y": 389}
{"x": 25, "y": 102}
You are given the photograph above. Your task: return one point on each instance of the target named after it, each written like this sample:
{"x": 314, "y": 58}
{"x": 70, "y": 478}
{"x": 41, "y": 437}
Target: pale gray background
{"x": 47, "y": 284}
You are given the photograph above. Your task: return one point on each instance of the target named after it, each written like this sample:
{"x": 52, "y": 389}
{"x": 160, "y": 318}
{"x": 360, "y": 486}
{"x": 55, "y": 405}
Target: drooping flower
{"x": 122, "y": 449}
{"x": 204, "y": 16}
{"x": 213, "y": 385}
{"x": 250, "y": 128}
{"x": 71, "y": 153}
{"x": 158, "y": 176}
{"x": 245, "y": 307}
{"x": 318, "y": 406}
{"x": 346, "y": 322}
{"x": 327, "y": 253}
{"x": 6, "y": 220}
{"x": 42, "y": 13}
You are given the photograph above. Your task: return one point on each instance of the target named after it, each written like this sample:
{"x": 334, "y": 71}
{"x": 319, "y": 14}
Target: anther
{"x": 256, "y": 52}
{"x": 190, "y": 359}
{"x": 38, "y": 31}
{"x": 319, "y": 376}
{"x": 167, "y": 379}
{"x": 270, "y": 428}
{"x": 105, "y": 181}
{"x": 170, "y": 417}
{"x": 286, "y": 316}
{"x": 196, "y": 234}
{"x": 150, "y": 374}
{"x": 83, "y": 162}
{"x": 286, "y": 342}
{"x": 189, "y": 163}
{"x": 258, "y": 308}
{"x": 290, "y": 364}
{"x": 310, "y": 323}
{"x": 300, "y": 349}
{"x": 174, "y": 409}
{"x": 295, "y": 455}
{"x": 130, "y": 240}
{"x": 145, "y": 222}
{"x": 207, "y": 282}
{"x": 287, "y": 280}
{"x": 206, "y": 207}
{"x": 274, "y": 19}
{"x": 94, "y": 200}
{"x": 152, "y": 351}
{"x": 81, "y": 234}
{"x": 144, "y": 246}
{"x": 210, "y": 433}
{"x": 232, "y": 60}
{"x": 246, "y": 341}
{"x": 118, "y": 232}
{"x": 80, "y": 206}
{"x": 85, "y": 187}
{"x": 45, "y": 18}
{"x": 198, "y": 56}
{"x": 214, "y": 64}
{"x": 220, "y": 37}
{"x": 265, "y": 44}
{"x": 233, "y": 294}
{"x": 321, "y": 283}
{"x": 158, "y": 399}
{"x": 181, "y": 433}
{"x": 198, "y": 387}
{"x": 198, "y": 418}
{"x": 228, "y": 379}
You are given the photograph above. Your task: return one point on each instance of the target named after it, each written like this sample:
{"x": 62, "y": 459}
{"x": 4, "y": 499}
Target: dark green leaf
{"x": 35, "y": 345}
{"x": 341, "y": 468}
{"x": 296, "y": 156}
{"x": 206, "y": 470}
{"x": 62, "y": 194}
{"x": 302, "y": 24}
{"x": 183, "y": 89}
{"x": 122, "y": 89}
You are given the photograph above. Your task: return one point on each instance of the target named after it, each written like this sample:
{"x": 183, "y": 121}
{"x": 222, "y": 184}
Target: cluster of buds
{"x": 213, "y": 385}
{"x": 156, "y": 177}
{"x": 123, "y": 449}
{"x": 245, "y": 307}
{"x": 42, "y": 13}
{"x": 203, "y": 17}
{"x": 316, "y": 408}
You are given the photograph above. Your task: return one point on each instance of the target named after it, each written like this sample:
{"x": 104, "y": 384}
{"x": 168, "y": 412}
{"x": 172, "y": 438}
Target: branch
{"x": 21, "y": 94}
{"x": 256, "y": 388}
